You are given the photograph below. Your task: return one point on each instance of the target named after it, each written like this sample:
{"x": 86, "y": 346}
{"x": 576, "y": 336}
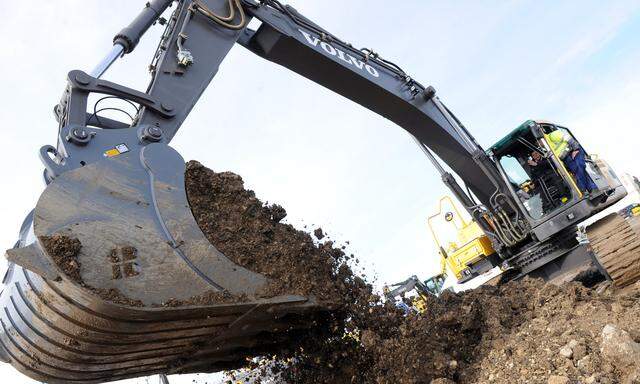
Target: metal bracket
{"x": 79, "y": 140}
{"x": 80, "y": 81}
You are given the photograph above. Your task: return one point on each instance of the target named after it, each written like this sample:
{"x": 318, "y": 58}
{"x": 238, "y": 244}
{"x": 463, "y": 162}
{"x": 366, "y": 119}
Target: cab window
{"x": 533, "y": 176}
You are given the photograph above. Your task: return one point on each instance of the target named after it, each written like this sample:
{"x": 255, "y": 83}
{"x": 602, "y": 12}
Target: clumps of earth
{"x": 251, "y": 234}
{"x": 520, "y": 332}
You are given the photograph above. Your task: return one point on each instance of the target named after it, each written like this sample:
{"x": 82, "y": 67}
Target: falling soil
{"x": 520, "y": 332}
{"x": 65, "y": 250}
{"x": 252, "y": 236}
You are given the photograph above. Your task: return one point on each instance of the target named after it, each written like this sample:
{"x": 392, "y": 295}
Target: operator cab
{"x": 535, "y": 160}
{"x": 435, "y": 284}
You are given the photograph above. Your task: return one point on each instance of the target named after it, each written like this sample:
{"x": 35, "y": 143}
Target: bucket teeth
{"x": 33, "y": 258}
{"x": 616, "y": 243}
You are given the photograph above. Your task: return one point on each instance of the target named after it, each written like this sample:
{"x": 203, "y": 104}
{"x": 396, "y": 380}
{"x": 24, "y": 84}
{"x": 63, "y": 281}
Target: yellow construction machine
{"x": 464, "y": 249}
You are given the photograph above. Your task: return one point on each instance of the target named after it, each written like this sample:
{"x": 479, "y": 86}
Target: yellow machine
{"x": 421, "y": 291}
{"x": 630, "y": 210}
{"x": 464, "y": 248}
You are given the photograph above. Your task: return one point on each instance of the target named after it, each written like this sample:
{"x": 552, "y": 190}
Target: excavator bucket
{"x": 120, "y": 282}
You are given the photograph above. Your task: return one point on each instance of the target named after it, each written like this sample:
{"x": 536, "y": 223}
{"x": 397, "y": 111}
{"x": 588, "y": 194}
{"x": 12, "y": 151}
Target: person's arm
{"x": 574, "y": 147}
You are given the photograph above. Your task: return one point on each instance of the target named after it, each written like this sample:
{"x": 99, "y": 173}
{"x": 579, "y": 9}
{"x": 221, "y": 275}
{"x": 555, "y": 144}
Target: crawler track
{"x": 616, "y": 243}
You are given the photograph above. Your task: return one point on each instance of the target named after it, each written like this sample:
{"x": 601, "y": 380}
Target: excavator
{"x": 112, "y": 184}
{"x": 464, "y": 252}
{"x": 395, "y": 293}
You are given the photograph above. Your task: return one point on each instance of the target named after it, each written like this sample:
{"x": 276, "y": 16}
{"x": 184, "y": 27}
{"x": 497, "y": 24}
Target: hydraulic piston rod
{"x": 116, "y": 52}
{"x": 127, "y": 39}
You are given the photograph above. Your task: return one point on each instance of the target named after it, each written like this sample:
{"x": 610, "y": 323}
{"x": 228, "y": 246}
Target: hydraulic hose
{"x": 222, "y": 20}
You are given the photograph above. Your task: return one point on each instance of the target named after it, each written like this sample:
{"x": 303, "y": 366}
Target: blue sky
{"x": 328, "y": 161}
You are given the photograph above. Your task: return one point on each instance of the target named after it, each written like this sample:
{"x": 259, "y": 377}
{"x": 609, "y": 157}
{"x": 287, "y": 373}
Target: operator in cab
{"x": 537, "y": 172}
{"x": 573, "y": 157}
{"x": 535, "y": 165}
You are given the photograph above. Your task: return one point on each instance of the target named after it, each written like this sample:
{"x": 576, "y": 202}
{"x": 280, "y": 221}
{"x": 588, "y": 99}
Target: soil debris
{"x": 129, "y": 253}
{"x": 521, "y": 332}
{"x": 319, "y": 234}
{"x": 65, "y": 250}
{"x": 208, "y": 298}
{"x": 114, "y": 256}
{"x": 70, "y": 342}
{"x": 115, "y": 296}
{"x": 252, "y": 236}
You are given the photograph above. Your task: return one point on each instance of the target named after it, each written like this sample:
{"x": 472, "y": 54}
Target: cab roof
{"x": 512, "y": 136}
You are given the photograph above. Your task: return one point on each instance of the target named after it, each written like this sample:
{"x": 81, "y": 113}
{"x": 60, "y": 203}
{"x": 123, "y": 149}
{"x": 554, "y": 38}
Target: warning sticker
{"x": 122, "y": 148}
{"x": 117, "y": 150}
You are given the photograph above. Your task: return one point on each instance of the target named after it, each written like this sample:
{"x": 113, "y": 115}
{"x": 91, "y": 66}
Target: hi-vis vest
{"x": 558, "y": 142}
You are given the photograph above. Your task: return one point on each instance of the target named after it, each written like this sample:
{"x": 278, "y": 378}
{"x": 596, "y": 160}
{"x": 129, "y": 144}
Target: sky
{"x": 328, "y": 161}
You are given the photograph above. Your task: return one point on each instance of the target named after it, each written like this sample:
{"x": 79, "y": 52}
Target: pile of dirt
{"x": 565, "y": 340}
{"x": 251, "y": 234}
{"x": 520, "y": 332}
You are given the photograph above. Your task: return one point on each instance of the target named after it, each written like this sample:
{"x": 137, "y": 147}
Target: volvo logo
{"x": 347, "y": 58}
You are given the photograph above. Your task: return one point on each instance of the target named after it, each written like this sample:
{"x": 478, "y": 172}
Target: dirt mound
{"x": 520, "y": 332}
{"x": 565, "y": 337}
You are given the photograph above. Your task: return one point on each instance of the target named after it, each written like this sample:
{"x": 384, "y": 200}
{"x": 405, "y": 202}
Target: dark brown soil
{"x": 129, "y": 253}
{"x": 114, "y": 256}
{"x": 115, "y": 296}
{"x": 507, "y": 334}
{"x": 251, "y": 235}
{"x": 116, "y": 272}
{"x": 64, "y": 251}
{"x": 520, "y": 332}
